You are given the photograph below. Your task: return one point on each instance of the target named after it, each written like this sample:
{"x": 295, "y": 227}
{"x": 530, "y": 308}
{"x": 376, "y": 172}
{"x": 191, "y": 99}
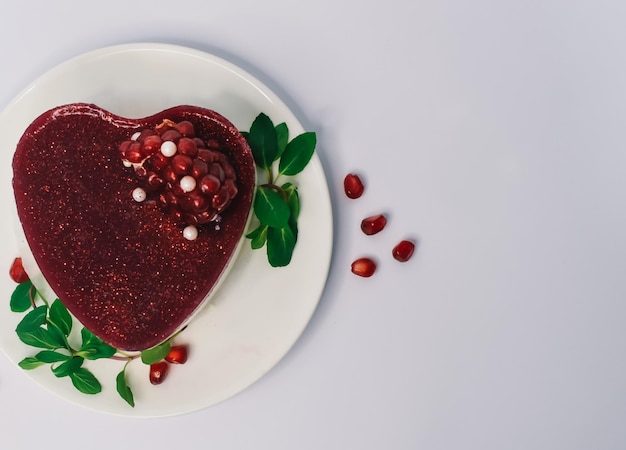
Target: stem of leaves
{"x": 277, "y": 207}
{"x": 48, "y": 327}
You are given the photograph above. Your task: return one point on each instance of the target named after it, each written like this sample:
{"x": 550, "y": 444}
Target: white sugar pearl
{"x": 135, "y": 136}
{"x": 190, "y": 233}
{"x": 187, "y": 183}
{"x": 168, "y": 148}
{"x": 139, "y": 195}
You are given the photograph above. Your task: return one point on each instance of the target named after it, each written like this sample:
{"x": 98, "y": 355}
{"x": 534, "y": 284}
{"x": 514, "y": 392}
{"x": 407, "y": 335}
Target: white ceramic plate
{"x": 259, "y": 312}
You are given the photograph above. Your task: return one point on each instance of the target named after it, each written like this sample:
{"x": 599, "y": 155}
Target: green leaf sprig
{"x": 277, "y": 206}
{"x": 48, "y": 327}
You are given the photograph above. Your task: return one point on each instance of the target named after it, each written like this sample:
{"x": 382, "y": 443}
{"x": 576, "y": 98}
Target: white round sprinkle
{"x": 187, "y": 183}
{"x": 168, "y": 148}
{"x": 190, "y": 233}
{"x": 139, "y": 195}
{"x": 135, "y": 136}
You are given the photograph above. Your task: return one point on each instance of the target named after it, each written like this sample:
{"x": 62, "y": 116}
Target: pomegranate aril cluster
{"x": 191, "y": 179}
{"x": 365, "y": 266}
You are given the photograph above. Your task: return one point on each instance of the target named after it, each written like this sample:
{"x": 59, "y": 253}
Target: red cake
{"x": 132, "y": 265}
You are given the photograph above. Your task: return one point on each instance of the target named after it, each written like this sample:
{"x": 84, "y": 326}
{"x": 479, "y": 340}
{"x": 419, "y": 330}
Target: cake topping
{"x": 189, "y": 178}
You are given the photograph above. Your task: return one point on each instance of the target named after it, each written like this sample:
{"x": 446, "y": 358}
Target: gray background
{"x": 492, "y": 132}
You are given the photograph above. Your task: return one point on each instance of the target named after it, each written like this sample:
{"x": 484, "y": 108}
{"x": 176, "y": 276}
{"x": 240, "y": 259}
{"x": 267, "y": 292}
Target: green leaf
{"x": 280, "y": 245}
{"x": 93, "y": 347}
{"x": 258, "y": 236}
{"x": 85, "y": 381}
{"x": 297, "y": 154}
{"x": 31, "y": 332}
{"x": 39, "y": 338}
{"x": 89, "y": 339}
{"x": 123, "y": 389}
{"x": 34, "y": 319}
{"x": 156, "y": 354}
{"x": 57, "y": 336}
{"x": 293, "y": 200}
{"x": 60, "y": 317}
{"x": 68, "y": 367}
{"x": 47, "y": 356}
{"x": 20, "y": 299}
{"x": 97, "y": 352}
{"x": 30, "y": 363}
{"x": 270, "y": 208}
{"x": 263, "y": 141}
{"x": 282, "y": 138}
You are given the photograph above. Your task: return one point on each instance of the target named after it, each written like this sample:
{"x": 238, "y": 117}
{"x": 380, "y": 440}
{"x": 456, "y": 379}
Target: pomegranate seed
{"x": 17, "y": 272}
{"x": 206, "y": 155}
{"x": 177, "y": 355}
{"x": 158, "y": 372}
{"x": 403, "y": 251}
{"x": 144, "y": 134}
{"x": 231, "y": 187}
{"x": 212, "y": 144}
{"x": 230, "y": 172}
{"x": 373, "y": 224}
{"x": 124, "y": 146}
{"x": 188, "y": 147}
{"x": 181, "y": 164}
{"x": 221, "y": 199}
{"x": 141, "y": 172}
{"x": 133, "y": 154}
{"x": 155, "y": 182}
{"x": 209, "y": 184}
{"x": 199, "y": 169}
{"x": 186, "y": 129}
{"x": 152, "y": 144}
{"x": 364, "y": 267}
{"x": 217, "y": 171}
{"x": 353, "y": 186}
{"x": 158, "y": 161}
{"x": 171, "y": 135}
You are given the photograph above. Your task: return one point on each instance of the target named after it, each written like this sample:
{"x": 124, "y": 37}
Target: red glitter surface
{"x": 122, "y": 268}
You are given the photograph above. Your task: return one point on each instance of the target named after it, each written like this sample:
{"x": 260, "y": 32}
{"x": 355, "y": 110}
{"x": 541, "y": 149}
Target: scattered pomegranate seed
{"x": 17, "y": 272}
{"x": 364, "y": 267}
{"x": 373, "y": 224}
{"x": 353, "y": 186}
{"x": 158, "y": 372}
{"x": 177, "y": 355}
{"x": 403, "y": 251}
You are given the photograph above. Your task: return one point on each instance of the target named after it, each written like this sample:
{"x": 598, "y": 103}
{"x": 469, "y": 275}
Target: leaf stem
{"x": 280, "y": 191}
{"x": 270, "y": 175}
{"x": 32, "y": 293}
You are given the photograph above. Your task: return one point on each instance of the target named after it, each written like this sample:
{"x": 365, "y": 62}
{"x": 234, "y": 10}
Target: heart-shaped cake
{"x": 132, "y": 222}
